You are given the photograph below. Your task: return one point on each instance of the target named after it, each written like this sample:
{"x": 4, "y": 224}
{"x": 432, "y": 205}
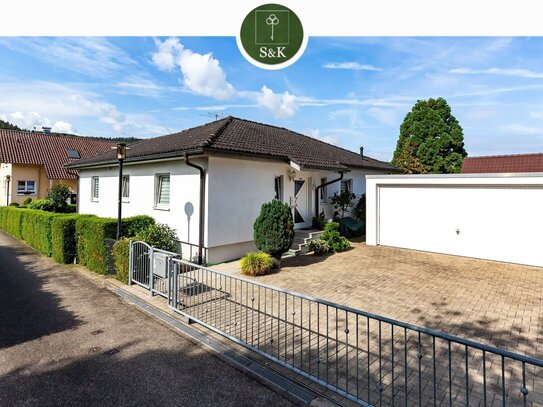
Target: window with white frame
{"x": 323, "y": 191}
{"x": 26, "y": 187}
{"x": 95, "y": 188}
{"x": 347, "y": 185}
{"x": 162, "y": 192}
{"x": 278, "y": 188}
{"x": 126, "y": 186}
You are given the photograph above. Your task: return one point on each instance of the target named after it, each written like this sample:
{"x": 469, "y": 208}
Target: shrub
{"x": 160, "y": 236}
{"x": 15, "y": 204}
{"x": 319, "y": 247}
{"x": 27, "y": 201}
{"x": 136, "y": 224}
{"x": 343, "y": 201}
{"x": 36, "y": 230}
{"x": 256, "y": 264}
{"x": 120, "y": 253}
{"x": 42, "y": 205}
{"x": 360, "y": 209}
{"x": 319, "y": 222}
{"x": 63, "y": 238}
{"x": 13, "y": 221}
{"x": 70, "y": 208}
{"x": 273, "y": 230}
{"x": 331, "y": 235}
{"x": 91, "y": 234}
{"x": 58, "y": 195}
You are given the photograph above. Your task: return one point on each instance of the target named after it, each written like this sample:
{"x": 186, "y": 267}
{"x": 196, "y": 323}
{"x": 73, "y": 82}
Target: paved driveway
{"x": 490, "y": 302}
{"x": 66, "y": 341}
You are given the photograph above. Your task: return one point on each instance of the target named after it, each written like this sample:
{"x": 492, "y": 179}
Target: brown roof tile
{"x": 247, "y": 137}
{"x": 503, "y": 163}
{"x": 49, "y": 150}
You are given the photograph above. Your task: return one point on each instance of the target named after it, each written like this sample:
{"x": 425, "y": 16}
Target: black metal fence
{"x": 367, "y": 358}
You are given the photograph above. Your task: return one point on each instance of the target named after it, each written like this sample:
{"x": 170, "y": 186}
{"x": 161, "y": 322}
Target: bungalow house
{"x": 32, "y": 162}
{"x": 514, "y": 163}
{"x": 209, "y": 182}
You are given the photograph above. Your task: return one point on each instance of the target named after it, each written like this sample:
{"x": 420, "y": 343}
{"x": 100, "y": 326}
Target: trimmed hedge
{"x": 121, "y": 252}
{"x": 91, "y": 234}
{"x": 136, "y": 224}
{"x": 13, "y": 221}
{"x": 63, "y": 238}
{"x": 36, "y": 229}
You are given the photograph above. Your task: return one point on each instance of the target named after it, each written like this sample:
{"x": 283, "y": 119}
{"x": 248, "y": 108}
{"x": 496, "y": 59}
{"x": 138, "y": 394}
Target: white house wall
{"x": 496, "y": 217}
{"x": 184, "y": 190}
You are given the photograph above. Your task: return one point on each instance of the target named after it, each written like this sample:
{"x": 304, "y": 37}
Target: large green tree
{"x": 431, "y": 140}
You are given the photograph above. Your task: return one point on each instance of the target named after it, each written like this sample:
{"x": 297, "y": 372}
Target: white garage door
{"x": 497, "y": 223}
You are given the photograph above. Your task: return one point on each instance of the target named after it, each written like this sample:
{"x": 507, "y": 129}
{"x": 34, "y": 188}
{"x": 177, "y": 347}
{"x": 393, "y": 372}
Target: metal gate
{"x": 148, "y": 267}
{"x": 370, "y": 359}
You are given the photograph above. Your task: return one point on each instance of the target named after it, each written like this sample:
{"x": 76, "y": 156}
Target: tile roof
{"x": 49, "y": 150}
{"x": 234, "y": 135}
{"x": 503, "y": 163}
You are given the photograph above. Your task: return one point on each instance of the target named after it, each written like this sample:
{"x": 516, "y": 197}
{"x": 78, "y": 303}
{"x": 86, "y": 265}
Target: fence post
{"x": 151, "y": 265}
{"x": 130, "y": 265}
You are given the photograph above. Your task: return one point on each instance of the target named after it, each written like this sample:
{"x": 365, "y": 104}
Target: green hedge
{"x": 91, "y": 234}
{"x": 36, "y": 229}
{"x": 13, "y": 221}
{"x": 63, "y": 238}
{"x": 121, "y": 252}
{"x": 136, "y": 224}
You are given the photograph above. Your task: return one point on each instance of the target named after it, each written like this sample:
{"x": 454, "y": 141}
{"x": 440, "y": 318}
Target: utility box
{"x": 160, "y": 264}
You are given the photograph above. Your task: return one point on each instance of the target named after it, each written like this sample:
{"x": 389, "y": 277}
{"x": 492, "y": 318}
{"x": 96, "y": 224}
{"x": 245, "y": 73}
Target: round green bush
{"x": 319, "y": 247}
{"x": 331, "y": 235}
{"x": 160, "y": 236}
{"x": 14, "y": 204}
{"x": 256, "y": 264}
{"x": 273, "y": 230}
{"x": 27, "y": 201}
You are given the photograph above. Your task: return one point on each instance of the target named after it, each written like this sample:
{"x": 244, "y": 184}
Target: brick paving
{"x": 492, "y": 303}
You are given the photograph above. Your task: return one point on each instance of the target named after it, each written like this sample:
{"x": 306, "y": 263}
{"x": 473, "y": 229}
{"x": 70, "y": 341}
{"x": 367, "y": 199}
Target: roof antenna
{"x": 215, "y": 115}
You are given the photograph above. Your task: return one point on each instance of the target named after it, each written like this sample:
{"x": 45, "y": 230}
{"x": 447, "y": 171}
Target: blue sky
{"x": 351, "y": 92}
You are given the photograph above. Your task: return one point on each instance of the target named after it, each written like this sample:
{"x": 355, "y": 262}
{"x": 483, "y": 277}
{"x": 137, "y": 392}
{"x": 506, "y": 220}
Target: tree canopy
{"x": 431, "y": 140}
{"x": 7, "y": 125}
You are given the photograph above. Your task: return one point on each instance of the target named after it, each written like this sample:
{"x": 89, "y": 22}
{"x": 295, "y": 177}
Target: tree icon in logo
{"x": 271, "y": 35}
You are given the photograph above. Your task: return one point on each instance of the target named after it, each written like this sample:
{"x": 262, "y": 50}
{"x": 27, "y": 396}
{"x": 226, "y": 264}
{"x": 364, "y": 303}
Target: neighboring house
{"x": 503, "y": 164}
{"x": 32, "y": 162}
{"x": 243, "y": 164}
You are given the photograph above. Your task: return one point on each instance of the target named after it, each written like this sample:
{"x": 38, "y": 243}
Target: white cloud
{"x": 281, "y": 105}
{"x": 316, "y": 134}
{"x": 91, "y": 56}
{"x": 516, "y": 72}
{"x": 385, "y": 116}
{"x": 351, "y": 65}
{"x": 202, "y": 74}
{"x": 32, "y": 120}
{"x": 63, "y": 127}
{"x": 521, "y": 130}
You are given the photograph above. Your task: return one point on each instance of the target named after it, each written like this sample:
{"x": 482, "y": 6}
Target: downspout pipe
{"x": 317, "y": 199}
{"x": 202, "y": 207}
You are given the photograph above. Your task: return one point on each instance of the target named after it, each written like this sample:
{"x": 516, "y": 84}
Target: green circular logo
{"x": 272, "y": 37}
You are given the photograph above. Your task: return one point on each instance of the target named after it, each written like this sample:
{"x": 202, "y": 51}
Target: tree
{"x": 273, "y": 230}
{"x": 343, "y": 201}
{"x": 58, "y": 195}
{"x": 431, "y": 140}
{"x": 7, "y": 125}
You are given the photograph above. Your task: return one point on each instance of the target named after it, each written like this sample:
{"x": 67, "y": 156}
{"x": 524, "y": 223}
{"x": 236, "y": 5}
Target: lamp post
{"x": 8, "y": 178}
{"x": 121, "y": 155}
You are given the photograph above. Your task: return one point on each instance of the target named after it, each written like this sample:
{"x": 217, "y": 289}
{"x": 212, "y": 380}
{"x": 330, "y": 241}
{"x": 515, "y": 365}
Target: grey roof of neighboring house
{"x": 240, "y": 136}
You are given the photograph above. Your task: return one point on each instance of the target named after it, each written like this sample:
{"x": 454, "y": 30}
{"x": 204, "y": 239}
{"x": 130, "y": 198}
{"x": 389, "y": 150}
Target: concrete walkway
{"x": 66, "y": 341}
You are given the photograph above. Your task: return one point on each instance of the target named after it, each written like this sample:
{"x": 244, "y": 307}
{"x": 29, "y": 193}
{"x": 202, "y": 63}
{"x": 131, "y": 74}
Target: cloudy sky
{"x": 347, "y": 91}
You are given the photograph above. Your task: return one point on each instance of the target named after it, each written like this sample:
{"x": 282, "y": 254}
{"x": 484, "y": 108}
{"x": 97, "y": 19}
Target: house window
{"x": 26, "y": 187}
{"x": 162, "y": 194}
{"x": 95, "y": 187}
{"x": 347, "y": 185}
{"x": 126, "y": 186}
{"x": 323, "y": 191}
{"x": 278, "y": 188}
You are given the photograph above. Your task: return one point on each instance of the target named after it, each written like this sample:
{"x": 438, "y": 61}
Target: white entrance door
{"x": 300, "y": 204}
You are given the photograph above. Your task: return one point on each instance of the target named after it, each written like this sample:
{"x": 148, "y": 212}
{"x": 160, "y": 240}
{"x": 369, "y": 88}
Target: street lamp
{"x": 8, "y": 178}
{"x": 121, "y": 155}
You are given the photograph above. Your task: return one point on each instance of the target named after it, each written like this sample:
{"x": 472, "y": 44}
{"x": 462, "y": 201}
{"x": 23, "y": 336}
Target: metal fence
{"x": 365, "y": 357}
{"x": 148, "y": 267}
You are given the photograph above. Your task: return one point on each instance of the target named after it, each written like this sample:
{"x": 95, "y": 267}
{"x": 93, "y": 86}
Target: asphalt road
{"x": 66, "y": 341}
